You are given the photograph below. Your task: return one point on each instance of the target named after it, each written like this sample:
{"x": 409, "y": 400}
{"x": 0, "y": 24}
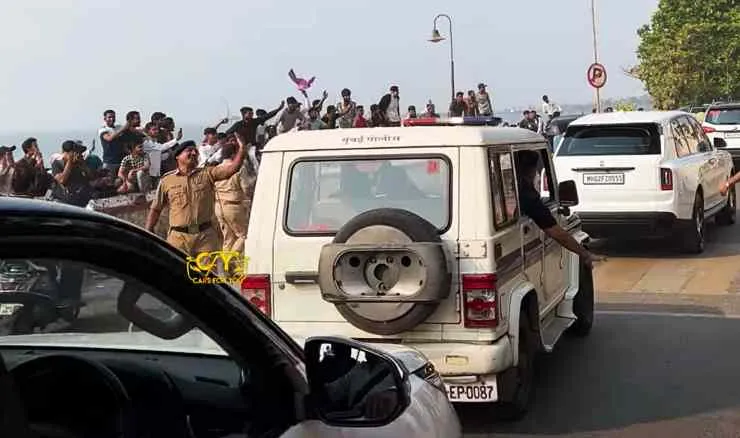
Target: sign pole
{"x": 596, "y": 52}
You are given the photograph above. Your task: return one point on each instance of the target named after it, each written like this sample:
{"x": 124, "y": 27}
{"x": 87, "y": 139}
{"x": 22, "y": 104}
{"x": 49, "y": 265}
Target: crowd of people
{"x": 138, "y": 159}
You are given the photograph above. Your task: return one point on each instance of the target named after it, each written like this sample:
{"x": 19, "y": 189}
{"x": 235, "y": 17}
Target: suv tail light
{"x": 256, "y": 289}
{"x": 479, "y": 300}
{"x": 666, "y": 179}
{"x": 545, "y": 186}
{"x": 708, "y": 129}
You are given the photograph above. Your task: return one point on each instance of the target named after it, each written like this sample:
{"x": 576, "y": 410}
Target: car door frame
{"x": 217, "y": 308}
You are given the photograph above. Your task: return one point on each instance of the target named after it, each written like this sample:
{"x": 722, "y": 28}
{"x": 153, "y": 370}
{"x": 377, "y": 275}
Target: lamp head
{"x": 436, "y": 37}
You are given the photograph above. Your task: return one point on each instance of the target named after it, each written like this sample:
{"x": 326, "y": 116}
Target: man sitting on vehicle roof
{"x": 530, "y": 202}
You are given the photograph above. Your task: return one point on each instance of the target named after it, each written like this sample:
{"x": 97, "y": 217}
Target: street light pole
{"x": 436, "y": 37}
{"x": 596, "y": 51}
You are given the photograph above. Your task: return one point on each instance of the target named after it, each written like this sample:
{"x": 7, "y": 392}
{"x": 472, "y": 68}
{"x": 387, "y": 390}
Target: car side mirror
{"x": 568, "y": 193}
{"x": 719, "y": 142}
{"x": 354, "y": 385}
{"x": 152, "y": 317}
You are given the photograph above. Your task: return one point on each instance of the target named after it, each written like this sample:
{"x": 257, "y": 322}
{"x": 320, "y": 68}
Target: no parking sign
{"x": 596, "y": 75}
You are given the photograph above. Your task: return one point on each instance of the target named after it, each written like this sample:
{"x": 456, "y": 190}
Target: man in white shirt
{"x": 156, "y": 151}
{"x": 549, "y": 108}
{"x": 292, "y": 117}
{"x": 210, "y": 150}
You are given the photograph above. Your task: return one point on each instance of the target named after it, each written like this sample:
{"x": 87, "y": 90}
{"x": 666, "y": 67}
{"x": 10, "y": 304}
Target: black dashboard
{"x": 172, "y": 395}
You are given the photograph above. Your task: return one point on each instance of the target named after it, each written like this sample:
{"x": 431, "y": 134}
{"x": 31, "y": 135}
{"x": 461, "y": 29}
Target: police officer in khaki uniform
{"x": 233, "y": 201}
{"x": 190, "y": 193}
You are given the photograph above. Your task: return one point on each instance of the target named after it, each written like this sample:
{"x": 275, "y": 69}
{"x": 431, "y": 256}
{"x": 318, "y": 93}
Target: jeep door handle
{"x": 301, "y": 277}
{"x": 525, "y": 229}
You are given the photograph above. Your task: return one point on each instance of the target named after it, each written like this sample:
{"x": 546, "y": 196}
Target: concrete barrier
{"x": 132, "y": 207}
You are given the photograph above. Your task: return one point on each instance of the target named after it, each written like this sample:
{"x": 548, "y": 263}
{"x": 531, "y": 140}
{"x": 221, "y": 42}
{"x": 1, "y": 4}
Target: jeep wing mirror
{"x": 568, "y": 193}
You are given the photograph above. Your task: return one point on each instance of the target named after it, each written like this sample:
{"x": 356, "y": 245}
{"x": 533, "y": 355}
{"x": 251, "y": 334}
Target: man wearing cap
{"x": 6, "y": 168}
{"x": 483, "y": 99}
{"x": 390, "y": 105}
{"x": 189, "y": 191}
{"x": 291, "y": 117}
{"x": 72, "y": 175}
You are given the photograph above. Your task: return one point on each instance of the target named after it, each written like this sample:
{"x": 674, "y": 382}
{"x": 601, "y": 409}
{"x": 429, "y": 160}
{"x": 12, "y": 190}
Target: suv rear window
{"x": 324, "y": 195}
{"x": 638, "y": 139}
{"x": 723, "y": 116}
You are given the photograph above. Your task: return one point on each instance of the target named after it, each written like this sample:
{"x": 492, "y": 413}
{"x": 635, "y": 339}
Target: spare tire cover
{"x": 390, "y": 225}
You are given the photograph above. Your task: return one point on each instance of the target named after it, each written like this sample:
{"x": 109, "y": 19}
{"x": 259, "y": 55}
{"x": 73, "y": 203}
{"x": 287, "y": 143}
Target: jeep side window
{"x": 503, "y": 189}
{"x": 545, "y": 176}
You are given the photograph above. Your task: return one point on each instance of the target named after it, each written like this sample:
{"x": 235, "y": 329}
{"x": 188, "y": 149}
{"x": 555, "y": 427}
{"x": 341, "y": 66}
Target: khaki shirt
{"x": 190, "y": 197}
{"x": 238, "y": 188}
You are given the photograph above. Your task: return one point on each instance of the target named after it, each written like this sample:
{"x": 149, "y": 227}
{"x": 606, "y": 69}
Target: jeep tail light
{"x": 545, "y": 186}
{"x": 479, "y": 300}
{"x": 666, "y": 179}
{"x": 256, "y": 289}
{"x": 708, "y": 129}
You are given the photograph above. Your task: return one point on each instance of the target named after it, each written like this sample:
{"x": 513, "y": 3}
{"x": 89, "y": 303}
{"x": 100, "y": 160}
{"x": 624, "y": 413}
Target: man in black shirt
{"x": 528, "y": 122}
{"x": 30, "y": 178}
{"x": 247, "y": 126}
{"x": 530, "y": 202}
{"x": 72, "y": 176}
{"x": 458, "y": 106}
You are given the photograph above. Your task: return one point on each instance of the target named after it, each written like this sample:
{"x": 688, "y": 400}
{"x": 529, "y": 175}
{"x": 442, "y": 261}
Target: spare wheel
{"x": 386, "y": 271}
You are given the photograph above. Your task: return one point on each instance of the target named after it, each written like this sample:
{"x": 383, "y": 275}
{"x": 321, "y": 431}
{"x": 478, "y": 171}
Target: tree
{"x": 624, "y": 105}
{"x": 690, "y": 54}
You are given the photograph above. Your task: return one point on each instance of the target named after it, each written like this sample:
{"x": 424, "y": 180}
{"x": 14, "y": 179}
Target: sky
{"x": 66, "y": 61}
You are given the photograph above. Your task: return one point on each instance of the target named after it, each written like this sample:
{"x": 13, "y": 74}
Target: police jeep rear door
{"x": 323, "y": 192}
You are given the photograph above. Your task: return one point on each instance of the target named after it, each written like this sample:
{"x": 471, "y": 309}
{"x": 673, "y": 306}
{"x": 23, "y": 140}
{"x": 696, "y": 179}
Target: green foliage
{"x": 690, "y": 52}
{"x": 625, "y": 106}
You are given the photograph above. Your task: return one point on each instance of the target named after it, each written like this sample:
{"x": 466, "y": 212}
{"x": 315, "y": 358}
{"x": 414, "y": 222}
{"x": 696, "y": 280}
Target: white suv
{"x": 722, "y": 126}
{"x": 413, "y": 235}
{"x": 646, "y": 174}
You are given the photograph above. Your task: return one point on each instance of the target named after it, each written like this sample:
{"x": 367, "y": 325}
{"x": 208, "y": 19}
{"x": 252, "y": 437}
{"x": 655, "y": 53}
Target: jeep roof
{"x": 407, "y": 137}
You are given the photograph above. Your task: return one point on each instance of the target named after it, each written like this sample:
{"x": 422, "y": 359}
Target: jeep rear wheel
{"x": 583, "y": 303}
{"x": 517, "y": 383}
{"x": 382, "y": 261}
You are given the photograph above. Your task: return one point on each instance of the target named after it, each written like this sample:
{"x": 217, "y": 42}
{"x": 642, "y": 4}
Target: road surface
{"x": 661, "y": 361}
{"x": 663, "y": 357}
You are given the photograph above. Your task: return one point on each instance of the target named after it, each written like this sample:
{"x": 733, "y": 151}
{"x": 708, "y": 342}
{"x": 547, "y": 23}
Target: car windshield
{"x": 610, "y": 140}
{"x": 325, "y": 194}
{"x": 66, "y": 303}
{"x": 723, "y": 116}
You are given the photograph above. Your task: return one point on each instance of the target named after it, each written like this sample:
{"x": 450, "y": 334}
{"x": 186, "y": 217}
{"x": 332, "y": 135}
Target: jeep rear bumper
{"x": 463, "y": 359}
